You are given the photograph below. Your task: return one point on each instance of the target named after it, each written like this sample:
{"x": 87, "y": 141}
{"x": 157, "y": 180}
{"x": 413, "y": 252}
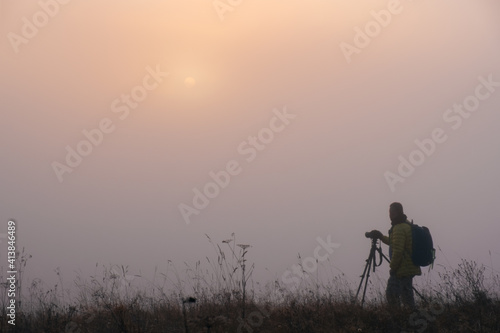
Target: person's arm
{"x": 398, "y": 245}
{"x": 379, "y": 235}
{"x": 385, "y": 239}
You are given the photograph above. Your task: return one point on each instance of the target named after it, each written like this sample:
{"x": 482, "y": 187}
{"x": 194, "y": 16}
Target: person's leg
{"x": 393, "y": 291}
{"x": 407, "y": 292}
{"x": 393, "y": 295}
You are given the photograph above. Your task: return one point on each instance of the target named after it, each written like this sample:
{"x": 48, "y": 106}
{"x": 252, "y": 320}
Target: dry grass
{"x": 217, "y": 300}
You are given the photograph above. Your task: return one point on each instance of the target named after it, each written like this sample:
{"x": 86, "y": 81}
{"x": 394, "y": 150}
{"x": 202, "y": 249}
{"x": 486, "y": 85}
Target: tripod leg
{"x": 370, "y": 262}
{"x": 383, "y": 256}
{"x": 364, "y": 275}
{"x": 422, "y": 297}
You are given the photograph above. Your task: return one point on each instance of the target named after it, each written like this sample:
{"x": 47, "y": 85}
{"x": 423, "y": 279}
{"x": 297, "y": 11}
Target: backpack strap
{"x": 411, "y": 236}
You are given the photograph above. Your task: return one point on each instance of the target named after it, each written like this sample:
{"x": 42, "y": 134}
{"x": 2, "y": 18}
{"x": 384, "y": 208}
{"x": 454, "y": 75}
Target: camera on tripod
{"x": 374, "y": 234}
{"x": 370, "y": 234}
{"x": 371, "y": 262}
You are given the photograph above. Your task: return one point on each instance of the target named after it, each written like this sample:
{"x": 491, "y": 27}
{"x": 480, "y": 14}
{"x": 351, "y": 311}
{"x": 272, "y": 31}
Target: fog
{"x": 130, "y": 130}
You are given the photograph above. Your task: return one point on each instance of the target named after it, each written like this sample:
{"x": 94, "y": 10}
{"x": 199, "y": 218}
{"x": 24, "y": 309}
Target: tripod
{"x": 371, "y": 264}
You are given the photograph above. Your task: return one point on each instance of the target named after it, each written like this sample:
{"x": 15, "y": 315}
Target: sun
{"x": 190, "y": 82}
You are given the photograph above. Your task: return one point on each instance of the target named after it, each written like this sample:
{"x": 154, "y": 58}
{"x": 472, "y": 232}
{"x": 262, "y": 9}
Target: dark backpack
{"x": 423, "y": 252}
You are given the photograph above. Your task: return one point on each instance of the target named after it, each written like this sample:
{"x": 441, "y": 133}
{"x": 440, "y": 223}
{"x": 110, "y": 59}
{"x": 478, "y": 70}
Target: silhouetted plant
{"x": 102, "y": 305}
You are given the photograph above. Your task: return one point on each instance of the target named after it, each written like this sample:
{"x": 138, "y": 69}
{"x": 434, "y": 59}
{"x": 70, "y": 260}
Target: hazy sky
{"x": 311, "y": 105}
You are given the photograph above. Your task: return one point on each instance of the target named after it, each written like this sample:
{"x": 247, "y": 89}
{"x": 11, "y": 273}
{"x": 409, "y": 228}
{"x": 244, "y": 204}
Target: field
{"x": 221, "y": 298}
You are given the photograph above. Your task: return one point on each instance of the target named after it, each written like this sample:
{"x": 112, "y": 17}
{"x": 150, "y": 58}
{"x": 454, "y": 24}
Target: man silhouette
{"x": 402, "y": 269}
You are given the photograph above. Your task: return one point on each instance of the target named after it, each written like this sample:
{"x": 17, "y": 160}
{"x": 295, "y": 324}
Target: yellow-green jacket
{"x": 400, "y": 243}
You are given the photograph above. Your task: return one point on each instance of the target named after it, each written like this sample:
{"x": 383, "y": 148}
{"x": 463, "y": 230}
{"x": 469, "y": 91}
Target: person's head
{"x": 395, "y": 211}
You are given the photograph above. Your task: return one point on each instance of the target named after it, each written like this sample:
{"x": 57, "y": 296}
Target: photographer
{"x": 400, "y": 283}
